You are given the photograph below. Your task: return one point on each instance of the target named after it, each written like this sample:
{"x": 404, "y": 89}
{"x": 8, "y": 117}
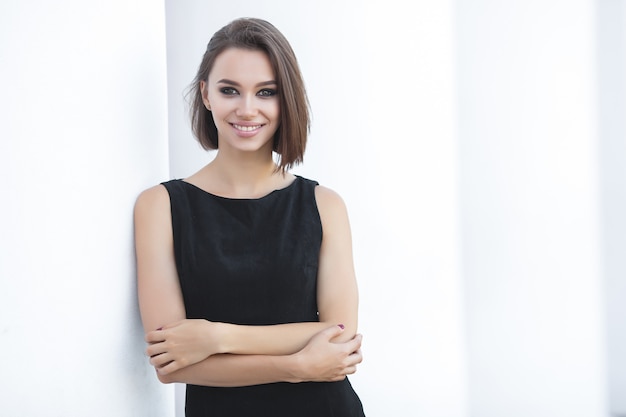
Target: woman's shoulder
{"x": 153, "y": 198}
{"x": 328, "y": 200}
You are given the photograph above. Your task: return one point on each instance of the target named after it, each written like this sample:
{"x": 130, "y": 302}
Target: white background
{"x": 83, "y": 120}
{"x": 479, "y": 146}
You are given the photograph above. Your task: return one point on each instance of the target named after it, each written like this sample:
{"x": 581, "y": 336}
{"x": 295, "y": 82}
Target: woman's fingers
{"x": 164, "y": 364}
{"x": 155, "y": 336}
{"x": 350, "y": 370}
{"x": 169, "y": 367}
{"x": 354, "y": 344}
{"x": 355, "y": 357}
{"x": 156, "y": 349}
{"x": 323, "y": 360}
{"x": 330, "y": 332}
{"x": 160, "y": 360}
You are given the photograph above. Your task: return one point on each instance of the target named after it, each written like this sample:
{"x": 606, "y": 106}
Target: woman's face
{"x": 241, "y": 93}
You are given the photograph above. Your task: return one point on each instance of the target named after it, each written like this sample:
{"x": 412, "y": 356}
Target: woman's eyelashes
{"x": 266, "y": 92}
{"x": 230, "y": 91}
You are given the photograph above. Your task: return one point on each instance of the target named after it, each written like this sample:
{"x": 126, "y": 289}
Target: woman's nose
{"x": 247, "y": 107}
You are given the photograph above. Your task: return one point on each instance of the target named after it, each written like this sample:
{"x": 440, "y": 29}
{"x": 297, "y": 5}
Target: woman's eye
{"x": 229, "y": 91}
{"x": 267, "y": 92}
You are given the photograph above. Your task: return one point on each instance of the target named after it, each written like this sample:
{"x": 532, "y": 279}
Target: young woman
{"x": 245, "y": 274}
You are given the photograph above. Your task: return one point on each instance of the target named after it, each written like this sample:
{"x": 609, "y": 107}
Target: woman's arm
{"x": 337, "y": 293}
{"x": 158, "y": 289}
{"x": 320, "y": 360}
{"x": 185, "y": 342}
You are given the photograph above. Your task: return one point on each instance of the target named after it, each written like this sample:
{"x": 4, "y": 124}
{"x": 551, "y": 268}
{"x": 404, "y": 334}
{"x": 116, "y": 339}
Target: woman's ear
{"x": 205, "y": 95}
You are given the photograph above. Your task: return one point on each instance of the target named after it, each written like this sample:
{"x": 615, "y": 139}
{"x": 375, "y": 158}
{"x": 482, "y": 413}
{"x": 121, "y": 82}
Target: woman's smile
{"x": 247, "y": 129}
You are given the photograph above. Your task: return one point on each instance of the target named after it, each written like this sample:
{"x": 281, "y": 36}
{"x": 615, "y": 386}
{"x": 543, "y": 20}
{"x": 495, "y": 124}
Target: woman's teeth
{"x": 246, "y": 128}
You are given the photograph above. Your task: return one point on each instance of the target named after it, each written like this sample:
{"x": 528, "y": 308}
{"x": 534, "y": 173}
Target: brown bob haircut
{"x": 256, "y": 34}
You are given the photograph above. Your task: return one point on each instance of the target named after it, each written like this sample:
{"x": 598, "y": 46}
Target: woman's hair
{"x": 256, "y": 34}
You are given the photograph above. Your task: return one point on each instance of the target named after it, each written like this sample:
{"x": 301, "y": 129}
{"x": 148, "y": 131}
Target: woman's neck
{"x": 249, "y": 177}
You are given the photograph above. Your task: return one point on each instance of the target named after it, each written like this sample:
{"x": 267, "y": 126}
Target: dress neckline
{"x": 273, "y": 192}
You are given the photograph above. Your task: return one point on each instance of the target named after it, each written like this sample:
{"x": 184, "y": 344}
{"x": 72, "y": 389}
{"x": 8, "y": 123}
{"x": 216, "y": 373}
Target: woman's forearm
{"x": 319, "y": 360}
{"x": 226, "y": 370}
{"x": 280, "y": 339}
{"x": 187, "y": 342}
{"x": 190, "y": 338}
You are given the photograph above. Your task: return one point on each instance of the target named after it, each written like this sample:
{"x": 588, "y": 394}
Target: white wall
{"x": 82, "y": 131}
{"x": 380, "y": 80}
{"x": 530, "y": 196}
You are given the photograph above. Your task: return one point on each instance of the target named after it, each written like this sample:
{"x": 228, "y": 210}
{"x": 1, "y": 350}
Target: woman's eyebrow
{"x": 235, "y": 83}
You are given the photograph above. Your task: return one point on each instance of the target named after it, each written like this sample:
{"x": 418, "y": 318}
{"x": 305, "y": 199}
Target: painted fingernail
{"x": 341, "y": 326}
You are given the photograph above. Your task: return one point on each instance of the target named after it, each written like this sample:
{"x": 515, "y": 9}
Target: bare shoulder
{"x": 156, "y": 195}
{"x": 153, "y": 220}
{"x": 329, "y": 203}
{"x": 153, "y": 200}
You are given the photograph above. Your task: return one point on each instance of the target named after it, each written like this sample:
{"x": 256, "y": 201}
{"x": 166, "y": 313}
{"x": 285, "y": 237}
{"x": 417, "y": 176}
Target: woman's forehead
{"x": 244, "y": 66}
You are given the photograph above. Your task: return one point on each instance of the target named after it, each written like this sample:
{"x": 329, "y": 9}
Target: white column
{"x": 611, "y": 44}
{"x": 401, "y": 172}
{"x": 83, "y": 129}
{"x": 528, "y": 139}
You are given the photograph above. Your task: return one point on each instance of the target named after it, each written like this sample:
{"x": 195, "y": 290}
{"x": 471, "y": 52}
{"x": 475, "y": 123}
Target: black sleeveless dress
{"x": 254, "y": 262}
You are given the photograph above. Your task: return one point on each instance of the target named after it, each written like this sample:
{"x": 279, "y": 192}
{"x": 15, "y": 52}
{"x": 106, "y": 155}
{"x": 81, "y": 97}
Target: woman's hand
{"x": 322, "y": 360}
{"x": 182, "y": 343}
